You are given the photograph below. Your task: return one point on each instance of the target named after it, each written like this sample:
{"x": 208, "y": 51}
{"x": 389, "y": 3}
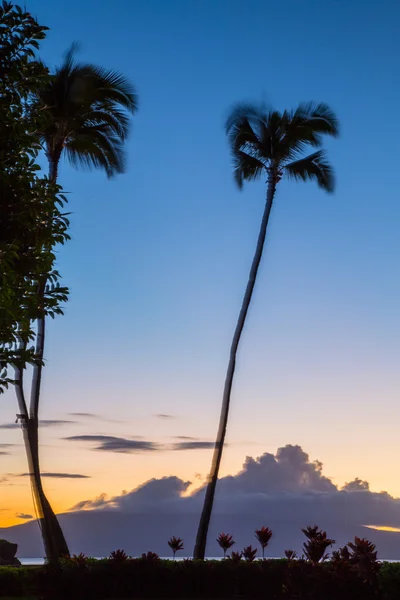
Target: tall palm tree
{"x": 86, "y": 111}
{"x": 270, "y": 144}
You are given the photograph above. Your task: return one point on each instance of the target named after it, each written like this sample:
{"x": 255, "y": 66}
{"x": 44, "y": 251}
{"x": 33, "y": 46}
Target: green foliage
{"x": 31, "y": 209}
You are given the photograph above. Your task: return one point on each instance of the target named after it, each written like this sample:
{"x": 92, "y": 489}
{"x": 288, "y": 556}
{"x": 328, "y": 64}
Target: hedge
{"x": 138, "y": 578}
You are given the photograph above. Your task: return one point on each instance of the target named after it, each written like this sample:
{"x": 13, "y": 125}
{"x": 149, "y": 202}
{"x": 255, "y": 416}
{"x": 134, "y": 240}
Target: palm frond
{"x": 87, "y": 109}
{"x": 239, "y": 129}
{"x": 246, "y": 167}
{"x": 313, "y": 167}
{"x": 319, "y": 116}
{"x": 112, "y": 87}
{"x": 306, "y": 127}
{"x": 117, "y": 121}
{"x": 241, "y": 111}
{"x": 97, "y": 149}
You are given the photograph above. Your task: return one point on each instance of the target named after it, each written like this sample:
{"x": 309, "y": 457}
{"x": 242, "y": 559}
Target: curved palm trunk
{"x": 53, "y": 537}
{"x": 201, "y": 539}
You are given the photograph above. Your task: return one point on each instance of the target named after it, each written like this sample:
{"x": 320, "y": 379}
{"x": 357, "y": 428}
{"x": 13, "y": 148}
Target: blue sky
{"x": 159, "y": 257}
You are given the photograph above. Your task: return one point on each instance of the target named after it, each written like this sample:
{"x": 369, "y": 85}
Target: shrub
{"x": 175, "y": 544}
{"x": 249, "y": 553}
{"x": 226, "y": 541}
{"x": 263, "y": 536}
{"x": 118, "y": 556}
{"x": 317, "y": 544}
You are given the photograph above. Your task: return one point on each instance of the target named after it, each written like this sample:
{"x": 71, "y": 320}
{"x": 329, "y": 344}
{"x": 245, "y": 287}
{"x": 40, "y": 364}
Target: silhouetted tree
{"x": 316, "y": 545}
{"x": 85, "y": 112}
{"x": 270, "y": 144}
{"x": 263, "y": 536}
{"x": 176, "y": 544}
{"x": 32, "y": 224}
{"x": 225, "y": 541}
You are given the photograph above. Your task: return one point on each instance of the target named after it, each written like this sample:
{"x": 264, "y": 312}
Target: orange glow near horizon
{"x": 384, "y": 528}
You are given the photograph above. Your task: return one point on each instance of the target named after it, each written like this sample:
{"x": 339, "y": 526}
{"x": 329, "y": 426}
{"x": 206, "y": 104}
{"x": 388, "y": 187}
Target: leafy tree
{"x": 82, "y": 110}
{"x": 270, "y": 144}
{"x": 32, "y": 225}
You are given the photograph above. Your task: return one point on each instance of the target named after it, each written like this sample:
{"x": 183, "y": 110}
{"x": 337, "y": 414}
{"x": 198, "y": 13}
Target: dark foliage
{"x": 175, "y": 544}
{"x": 226, "y": 541}
{"x": 118, "y": 556}
{"x": 263, "y": 536}
{"x": 89, "y": 579}
{"x": 316, "y": 545}
{"x": 249, "y": 553}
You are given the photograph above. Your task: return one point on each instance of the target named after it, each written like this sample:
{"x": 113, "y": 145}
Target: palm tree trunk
{"x": 53, "y": 538}
{"x": 53, "y": 167}
{"x": 201, "y": 539}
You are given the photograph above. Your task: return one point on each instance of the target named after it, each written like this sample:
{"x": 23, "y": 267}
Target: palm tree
{"x": 86, "y": 112}
{"x": 87, "y": 109}
{"x": 271, "y": 144}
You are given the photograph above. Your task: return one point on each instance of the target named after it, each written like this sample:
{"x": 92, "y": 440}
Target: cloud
{"x": 197, "y": 445}
{"x": 43, "y": 423}
{"x": 23, "y": 516}
{"x": 98, "y": 502}
{"x": 287, "y": 485}
{"x": 357, "y": 485}
{"x": 284, "y": 491}
{"x": 95, "y": 416}
{"x": 85, "y": 415}
{"x": 111, "y": 443}
{"x": 116, "y": 444}
{"x": 58, "y": 475}
{"x": 164, "y": 416}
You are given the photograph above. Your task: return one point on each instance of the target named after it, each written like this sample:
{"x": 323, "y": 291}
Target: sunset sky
{"x": 159, "y": 256}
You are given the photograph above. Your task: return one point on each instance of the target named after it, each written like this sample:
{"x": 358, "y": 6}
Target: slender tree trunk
{"x": 53, "y": 537}
{"x": 201, "y": 539}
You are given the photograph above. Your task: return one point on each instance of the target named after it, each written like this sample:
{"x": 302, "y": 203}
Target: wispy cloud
{"x": 85, "y": 415}
{"x": 4, "y": 449}
{"x": 58, "y": 475}
{"x": 197, "y": 445}
{"x": 111, "y": 443}
{"x": 116, "y": 444}
{"x": 23, "y": 516}
{"x": 94, "y": 416}
{"x": 164, "y": 416}
{"x": 44, "y": 423}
